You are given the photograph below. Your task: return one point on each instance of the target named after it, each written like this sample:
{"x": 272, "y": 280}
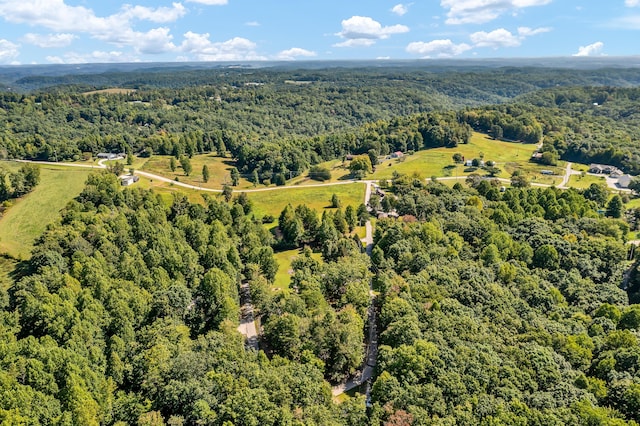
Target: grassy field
{"x": 318, "y": 198}
{"x": 582, "y": 182}
{"x": 6, "y": 268}
{"x": 28, "y": 217}
{"x": 283, "y": 276}
{"x": 508, "y": 156}
{"x": 112, "y": 91}
{"x": 219, "y": 170}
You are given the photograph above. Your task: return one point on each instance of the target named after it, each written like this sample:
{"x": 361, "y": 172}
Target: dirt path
{"x": 247, "y": 325}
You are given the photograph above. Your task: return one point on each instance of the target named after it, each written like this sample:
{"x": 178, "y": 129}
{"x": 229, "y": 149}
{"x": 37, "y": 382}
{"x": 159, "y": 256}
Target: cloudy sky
{"x": 78, "y": 31}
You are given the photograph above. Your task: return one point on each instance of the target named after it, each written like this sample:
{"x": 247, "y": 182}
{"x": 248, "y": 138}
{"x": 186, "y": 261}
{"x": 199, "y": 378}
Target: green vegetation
{"x": 584, "y": 181}
{"x": 498, "y": 302}
{"x": 129, "y": 300}
{"x": 28, "y": 217}
{"x": 317, "y": 198}
{"x": 521, "y": 284}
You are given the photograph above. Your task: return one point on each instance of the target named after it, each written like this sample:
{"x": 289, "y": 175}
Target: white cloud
{"x": 116, "y": 29}
{"x": 438, "y": 48}
{"x": 157, "y": 40}
{"x": 252, "y": 24}
{"x": 504, "y": 38}
{"x": 528, "y": 32}
{"x": 93, "y": 57}
{"x": 8, "y": 51}
{"x": 49, "y": 40}
{"x": 291, "y": 54}
{"x": 203, "y": 49}
{"x": 160, "y": 15}
{"x": 209, "y": 2}
{"x": 57, "y": 16}
{"x": 400, "y": 9}
{"x": 632, "y": 3}
{"x": 481, "y": 11}
{"x": 364, "y": 31}
{"x": 495, "y": 39}
{"x": 356, "y": 42}
{"x": 594, "y": 49}
{"x": 365, "y": 27}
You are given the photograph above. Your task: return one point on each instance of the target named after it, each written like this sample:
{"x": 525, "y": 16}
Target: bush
{"x": 268, "y": 218}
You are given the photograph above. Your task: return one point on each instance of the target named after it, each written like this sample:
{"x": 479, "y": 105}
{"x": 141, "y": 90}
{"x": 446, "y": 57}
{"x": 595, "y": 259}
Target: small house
{"x": 468, "y": 163}
{"x": 397, "y": 154}
{"x": 107, "y": 155}
{"x": 546, "y": 172}
{"x": 604, "y": 169}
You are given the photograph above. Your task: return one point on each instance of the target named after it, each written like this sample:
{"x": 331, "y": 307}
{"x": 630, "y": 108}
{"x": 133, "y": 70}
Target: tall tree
{"x": 205, "y": 173}
{"x": 185, "y": 163}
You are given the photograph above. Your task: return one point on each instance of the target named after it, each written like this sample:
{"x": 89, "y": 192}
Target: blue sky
{"x": 81, "y": 31}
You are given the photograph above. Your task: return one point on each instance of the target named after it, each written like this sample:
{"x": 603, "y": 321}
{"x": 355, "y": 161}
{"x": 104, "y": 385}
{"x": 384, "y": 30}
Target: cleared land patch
{"x": 27, "y": 219}
{"x": 110, "y": 91}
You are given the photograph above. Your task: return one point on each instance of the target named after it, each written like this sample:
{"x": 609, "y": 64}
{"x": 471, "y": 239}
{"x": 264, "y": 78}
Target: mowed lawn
{"x": 318, "y": 198}
{"x": 583, "y": 182}
{"x": 27, "y": 219}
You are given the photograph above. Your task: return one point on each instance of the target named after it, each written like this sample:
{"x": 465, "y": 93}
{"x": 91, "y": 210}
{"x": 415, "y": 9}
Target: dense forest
{"x": 503, "y": 309}
{"x": 128, "y": 314}
{"x": 494, "y": 305}
{"x": 493, "y": 308}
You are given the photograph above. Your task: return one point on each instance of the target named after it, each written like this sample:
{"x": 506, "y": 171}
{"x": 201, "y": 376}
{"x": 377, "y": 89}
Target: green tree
{"x": 615, "y": 207}
{"x": 205, "y": 173}
{"x": 519, "y": 180}
{"x": 360, "y": 165}
{"x": 598, "y": 193}
{"x": 319, "y": 173}
{"x": 351, "y": 217}
{"x": 546, "y": 256}
{"x": 185, "y": 163}
{"x": 227, "y": 193}
{"x": 335, "y": 202}
{"x": 235, "y": 177}
{"x": 172, "y": 164}
{"x": 496, "y": 131}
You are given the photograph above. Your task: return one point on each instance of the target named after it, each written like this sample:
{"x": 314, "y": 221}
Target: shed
{"x": 128, "y": 180}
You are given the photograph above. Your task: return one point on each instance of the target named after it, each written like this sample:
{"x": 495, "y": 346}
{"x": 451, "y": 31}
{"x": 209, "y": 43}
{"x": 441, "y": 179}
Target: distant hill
{"x": 24, "y": 78}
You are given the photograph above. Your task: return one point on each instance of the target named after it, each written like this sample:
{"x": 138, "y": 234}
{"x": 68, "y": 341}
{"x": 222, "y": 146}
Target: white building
{"x": 624, "y": 181}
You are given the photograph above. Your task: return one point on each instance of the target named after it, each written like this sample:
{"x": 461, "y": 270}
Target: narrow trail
{"x": 247, "y": 325}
